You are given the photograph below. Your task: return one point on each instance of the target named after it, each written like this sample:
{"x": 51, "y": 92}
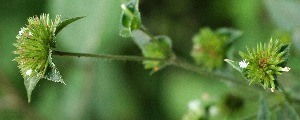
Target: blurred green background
{"x": 111, "y": 90}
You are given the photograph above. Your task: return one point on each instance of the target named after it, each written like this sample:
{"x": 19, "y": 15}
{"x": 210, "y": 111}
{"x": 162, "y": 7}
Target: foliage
{"x": 130, "y": 18}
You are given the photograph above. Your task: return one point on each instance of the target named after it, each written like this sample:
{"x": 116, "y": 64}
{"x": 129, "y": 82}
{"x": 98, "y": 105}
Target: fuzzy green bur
{"x": 211, "y": 47}
{"x": 34, "y": 47}
{"x": 264, "y": 64}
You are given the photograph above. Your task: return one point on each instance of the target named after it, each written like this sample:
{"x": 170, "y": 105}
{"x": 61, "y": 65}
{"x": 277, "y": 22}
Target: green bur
{"x": 264, "y": 64}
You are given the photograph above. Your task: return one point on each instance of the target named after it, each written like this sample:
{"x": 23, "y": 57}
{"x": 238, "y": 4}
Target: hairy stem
{"x": 198, "y": 70}
{"x": 173, "y": 62}
{"x": 112, "y": 57}
{"x": 203, "y": 72}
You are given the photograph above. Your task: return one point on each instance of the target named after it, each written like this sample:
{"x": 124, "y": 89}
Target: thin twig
{"x": 203, "y": 72}
{"x": 112, "y": 57}
{"x": 173, "y": 62}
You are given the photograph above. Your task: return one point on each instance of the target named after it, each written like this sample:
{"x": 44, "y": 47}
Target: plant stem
{"x": 173, "y": 62}
{"x": 112, "y": 57}
{"x": 203, "y": 72}
{"x": 198, "y": 70}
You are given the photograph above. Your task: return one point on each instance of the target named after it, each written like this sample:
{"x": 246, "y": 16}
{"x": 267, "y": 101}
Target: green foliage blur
{"x": 109, "y": 90}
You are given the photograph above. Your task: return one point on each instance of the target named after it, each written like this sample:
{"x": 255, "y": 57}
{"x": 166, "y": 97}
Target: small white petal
{"x": 123, "y": 6}
{"x": 24, "y": 29}
{"x": 30, "y": 33}
{"x": 285, "y": 69}
{"x": 243, "y": 64}
{"x": 272, "y": 89}
{"x": 28, "y": 72}
{"x": 194, "y": 105}
{"x": 21, "y": 32}
{"x": 213, "y": 110}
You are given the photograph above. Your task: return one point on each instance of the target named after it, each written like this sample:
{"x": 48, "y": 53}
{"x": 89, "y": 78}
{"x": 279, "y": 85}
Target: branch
{"x": 174, "y": 62}
{"x": 112, "y": 57}
{"x": 203, "y": 72}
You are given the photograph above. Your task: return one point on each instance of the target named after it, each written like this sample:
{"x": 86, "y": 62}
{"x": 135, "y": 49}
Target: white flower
{"x": 285, "y": 69}
{"x": 123, "y": 6}
{"x": 28, "y": 72}
{"x": 194, "y": 105}
{"x": 213, "y": 111}
{"x": 22, "y": 30}
{"x": 243, "y": 64}
{"x": 30, "y": 33}
{"x": 272, "y": 89}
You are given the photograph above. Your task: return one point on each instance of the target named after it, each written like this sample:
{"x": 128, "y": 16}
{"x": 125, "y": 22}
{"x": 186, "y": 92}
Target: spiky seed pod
{"x": 208, "y": 49}
{"x": 33, "y": 45}
{"x": 34, "y": 49}
{"x": 211, "y": 47}
{"x": 265, "y": 63}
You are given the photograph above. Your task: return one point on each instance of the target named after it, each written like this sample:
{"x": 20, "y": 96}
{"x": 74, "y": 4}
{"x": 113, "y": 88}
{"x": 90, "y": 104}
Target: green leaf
{"x": 165, "y": 40}
{"x": 140, "y": 38}
{"x": 286, "y": 49}
{"x": 66, "y": 22}
{"x": 263, "y": 111}
{"x": 234, "y": 64}
{"x": 30, "y": 83}
{"x": 159, "y": 47}
{"x": 130, "y": 18}
{"x": 285, "y": 13}
{"x": 53, "y": 74}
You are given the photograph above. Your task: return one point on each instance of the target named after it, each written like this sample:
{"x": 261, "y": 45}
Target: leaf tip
{"x": 66, "y": 22}
{"x": 28, "y": 97}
